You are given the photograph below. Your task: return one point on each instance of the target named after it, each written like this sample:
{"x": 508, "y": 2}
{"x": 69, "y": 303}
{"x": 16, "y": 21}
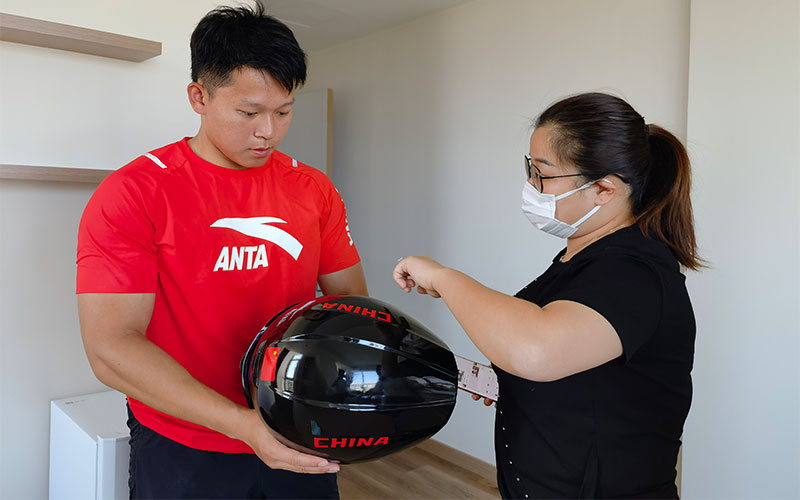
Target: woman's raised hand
{"x": 418, "y": 271}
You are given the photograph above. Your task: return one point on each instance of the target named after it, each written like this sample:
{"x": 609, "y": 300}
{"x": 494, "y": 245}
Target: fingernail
{"x": 334, "y": 468}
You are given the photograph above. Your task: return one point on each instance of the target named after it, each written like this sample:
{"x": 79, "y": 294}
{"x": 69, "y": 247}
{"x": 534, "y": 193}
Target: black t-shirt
{"x": 612, "y": 431}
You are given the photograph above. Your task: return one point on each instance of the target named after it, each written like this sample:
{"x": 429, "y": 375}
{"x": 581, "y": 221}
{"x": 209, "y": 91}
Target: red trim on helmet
{"x": 270, "y": 364}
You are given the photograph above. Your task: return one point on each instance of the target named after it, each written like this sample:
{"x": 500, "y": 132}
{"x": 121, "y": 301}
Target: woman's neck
{"x": 575, "y": 245}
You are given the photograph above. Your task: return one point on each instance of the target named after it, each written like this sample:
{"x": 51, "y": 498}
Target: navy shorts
{"x": 162, "y": 468}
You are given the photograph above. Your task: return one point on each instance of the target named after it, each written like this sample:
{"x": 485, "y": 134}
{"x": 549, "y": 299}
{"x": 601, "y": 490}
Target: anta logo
{"x": 252, "y": 257}
{"x": 349, "y": 442}
{"x": 364, "y": 311}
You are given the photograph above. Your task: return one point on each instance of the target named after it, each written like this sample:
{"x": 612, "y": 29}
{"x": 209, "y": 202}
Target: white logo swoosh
{"x": 258, "y": 228}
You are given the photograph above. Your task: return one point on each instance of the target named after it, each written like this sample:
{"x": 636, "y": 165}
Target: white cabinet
{"x": 89, "y": 447}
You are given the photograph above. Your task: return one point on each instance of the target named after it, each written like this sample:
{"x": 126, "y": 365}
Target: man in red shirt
{"x": 183, "y": 255}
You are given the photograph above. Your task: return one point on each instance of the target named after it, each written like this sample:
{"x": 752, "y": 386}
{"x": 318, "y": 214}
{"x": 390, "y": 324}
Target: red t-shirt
{"x": 223, "y": 250}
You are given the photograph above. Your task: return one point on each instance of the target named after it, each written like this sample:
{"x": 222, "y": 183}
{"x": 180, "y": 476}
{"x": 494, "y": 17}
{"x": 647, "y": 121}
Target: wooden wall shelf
{"x": 58, "y": 174}
{"x": 30, "y": 31}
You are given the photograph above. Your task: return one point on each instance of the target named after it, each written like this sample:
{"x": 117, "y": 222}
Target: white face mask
{"x": 540, "y": 209}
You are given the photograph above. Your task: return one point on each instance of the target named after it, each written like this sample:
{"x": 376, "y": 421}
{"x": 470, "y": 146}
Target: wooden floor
{"x": 430, "y": 470}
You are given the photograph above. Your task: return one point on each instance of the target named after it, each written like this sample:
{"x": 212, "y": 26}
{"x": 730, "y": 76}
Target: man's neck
{"x": 206, "y": 150}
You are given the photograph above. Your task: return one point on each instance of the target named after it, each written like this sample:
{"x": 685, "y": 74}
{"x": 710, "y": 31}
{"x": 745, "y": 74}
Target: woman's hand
{"x": 486, "y": 401}
{"x": 417, "y": 271}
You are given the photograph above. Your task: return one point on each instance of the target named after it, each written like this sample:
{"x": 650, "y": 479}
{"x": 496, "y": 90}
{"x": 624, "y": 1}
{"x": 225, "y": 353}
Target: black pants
{"x": 162, "y": 468}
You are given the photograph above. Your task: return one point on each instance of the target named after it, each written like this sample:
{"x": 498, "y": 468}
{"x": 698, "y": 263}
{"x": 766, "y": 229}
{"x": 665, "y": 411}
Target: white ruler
{"x": 476, "y": 378}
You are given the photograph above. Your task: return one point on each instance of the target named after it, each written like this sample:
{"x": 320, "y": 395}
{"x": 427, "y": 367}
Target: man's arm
{"x": 113, "y": 328}
{"x": 349, "y": 281}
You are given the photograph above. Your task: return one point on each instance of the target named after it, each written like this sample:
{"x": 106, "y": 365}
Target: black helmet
{"x": 350, "y": 378}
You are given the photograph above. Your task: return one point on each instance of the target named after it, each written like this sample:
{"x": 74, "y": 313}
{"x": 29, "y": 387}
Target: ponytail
{"x": 666, "y": 208}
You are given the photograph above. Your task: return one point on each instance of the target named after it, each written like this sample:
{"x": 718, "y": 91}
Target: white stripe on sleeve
{"x": 155, "y": 160}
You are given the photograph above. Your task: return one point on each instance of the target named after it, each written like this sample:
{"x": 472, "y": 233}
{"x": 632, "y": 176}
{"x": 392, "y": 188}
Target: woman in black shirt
{"x": 594, "y": 356}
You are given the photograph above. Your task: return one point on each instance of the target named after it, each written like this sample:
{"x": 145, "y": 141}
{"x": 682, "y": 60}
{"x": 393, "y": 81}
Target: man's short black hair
{"x": 228, "y": 38}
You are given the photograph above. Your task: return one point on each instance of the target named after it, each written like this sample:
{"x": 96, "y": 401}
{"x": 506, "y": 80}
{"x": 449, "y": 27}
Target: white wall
{"x": 67, "y": 109}
{"x": 308, "y": 140}
{"x": 743, "y": 436}
{"x": 41, "y": 355}
{"x": 431, "y": 122}
{"x": 73, "y": 110}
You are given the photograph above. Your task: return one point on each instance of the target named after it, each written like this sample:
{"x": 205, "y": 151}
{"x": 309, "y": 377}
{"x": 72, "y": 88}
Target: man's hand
{"x": 275, "y": 454}
{"x": 417, "y": 271}
{"x": 122, "y": 357}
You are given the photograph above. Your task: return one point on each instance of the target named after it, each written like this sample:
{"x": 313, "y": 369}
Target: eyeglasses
{"x": 534, "y": 173}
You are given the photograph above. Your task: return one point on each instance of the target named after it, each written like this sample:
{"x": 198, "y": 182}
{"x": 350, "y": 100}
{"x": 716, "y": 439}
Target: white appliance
{"x": 89, "y": 447}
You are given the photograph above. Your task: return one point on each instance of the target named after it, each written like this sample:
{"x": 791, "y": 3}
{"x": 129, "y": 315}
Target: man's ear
{"x": 198, "y": 97}
{"x": 607, "y": 190}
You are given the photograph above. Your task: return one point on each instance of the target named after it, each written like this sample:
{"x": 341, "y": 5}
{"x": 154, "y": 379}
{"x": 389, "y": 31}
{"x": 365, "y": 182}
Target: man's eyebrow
{"x": 258, "y": 105}
{"x": 542, "y": 160}
{"x": 248, "y": 102}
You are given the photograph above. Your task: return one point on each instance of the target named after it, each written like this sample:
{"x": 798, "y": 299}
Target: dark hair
{"x": 603, "y": 135}
{"x": 228, "y": 38}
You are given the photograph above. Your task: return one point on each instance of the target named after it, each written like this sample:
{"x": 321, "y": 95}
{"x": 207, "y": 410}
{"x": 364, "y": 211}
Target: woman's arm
{"x": 535, "y": 343}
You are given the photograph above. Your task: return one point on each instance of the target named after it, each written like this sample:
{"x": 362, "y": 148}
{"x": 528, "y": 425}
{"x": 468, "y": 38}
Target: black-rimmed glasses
{"x": 534, "y": 173}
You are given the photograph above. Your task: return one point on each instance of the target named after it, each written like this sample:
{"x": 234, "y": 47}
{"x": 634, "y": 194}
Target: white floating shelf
{"x": 58, "y": 174}
{"x": 52, "y": 35}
